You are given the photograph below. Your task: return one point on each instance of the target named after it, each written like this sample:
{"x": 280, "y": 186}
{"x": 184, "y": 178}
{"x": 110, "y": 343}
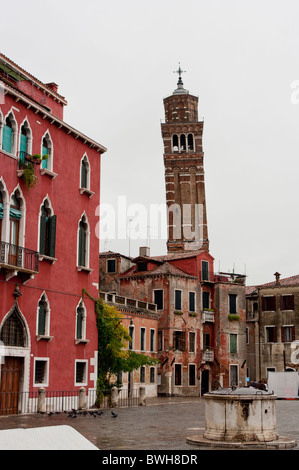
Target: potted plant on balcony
{"x": 29, "y": 176}
{"x": 36, "y": 158}
{"x": 27, "y": 169}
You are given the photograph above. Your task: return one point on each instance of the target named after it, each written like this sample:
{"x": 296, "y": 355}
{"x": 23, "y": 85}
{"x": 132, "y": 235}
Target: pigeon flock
{"x": 73, "y": 413}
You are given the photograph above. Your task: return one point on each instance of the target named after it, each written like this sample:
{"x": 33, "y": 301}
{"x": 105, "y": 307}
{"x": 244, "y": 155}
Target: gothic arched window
{"x": 83, "y": 241}
{"x": 13, "y": 331}
{"x": 47, "y": 237}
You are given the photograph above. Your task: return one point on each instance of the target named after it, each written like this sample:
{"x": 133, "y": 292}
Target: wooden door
{"x": 9, "y": 385}
{"x": 205, "y": 381}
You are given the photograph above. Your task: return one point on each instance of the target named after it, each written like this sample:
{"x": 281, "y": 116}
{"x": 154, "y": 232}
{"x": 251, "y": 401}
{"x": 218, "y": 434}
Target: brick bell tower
{"x": 184, "y": 172}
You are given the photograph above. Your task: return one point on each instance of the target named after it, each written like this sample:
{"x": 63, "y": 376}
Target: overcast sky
{"x": 114, "y": 61}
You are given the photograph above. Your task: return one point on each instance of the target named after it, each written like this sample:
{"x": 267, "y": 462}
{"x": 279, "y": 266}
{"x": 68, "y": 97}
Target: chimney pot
{"x": 277, "y": 278}
{"x": 144, "y": 251}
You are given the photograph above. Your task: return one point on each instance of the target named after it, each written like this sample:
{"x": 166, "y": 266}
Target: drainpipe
{"x": 259, "y": 338}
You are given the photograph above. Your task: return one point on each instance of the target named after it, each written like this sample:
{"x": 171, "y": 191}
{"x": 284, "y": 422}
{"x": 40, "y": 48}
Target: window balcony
{"x": 16, "y": 260}
{"x": 208, "y": 316}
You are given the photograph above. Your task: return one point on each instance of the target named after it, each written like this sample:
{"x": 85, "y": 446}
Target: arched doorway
{"x": 14, "y": 361}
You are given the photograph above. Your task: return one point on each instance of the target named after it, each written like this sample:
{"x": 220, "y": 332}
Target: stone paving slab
{"x": 163, "y": 424}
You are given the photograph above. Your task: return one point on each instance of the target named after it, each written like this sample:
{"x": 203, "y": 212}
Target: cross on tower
{"x": 179, "y": 72}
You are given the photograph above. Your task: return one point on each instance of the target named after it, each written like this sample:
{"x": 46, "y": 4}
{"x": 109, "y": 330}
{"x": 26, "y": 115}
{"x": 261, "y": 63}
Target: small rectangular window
{"x": 287, "y": 302}
{"x": 232, "y": 303}
{"x": 81, "y": 372}
{"x": 191, "y": 341}
{"x": 288, "y": 334}
{"x": 142, "y": 339}
{"x": 160, "y": 340}
{"x": 179, "y": 341}
{"x": 206, "y": 341}
{"x": 178, "y": 300}
{"x": 158, "y": 298}
{"x": 205, "y": 300}
{"x": 152, "y": 340}
{"x": 233, "y": 375}
{"x": 142, "y": 374}
{"x": 41, "y": 372}
{"x": 192, "y": 374}
{"x": 191, "y": 301}
{"x": 271, "y": 334}
{"x": 178, "y": 374}
{"x": 131, "y": 334}
{"x": 111, "y": 266}
{"x": 152, "y": 375}
{"x": 232, "y": 343}
{"x": 268, "y": 303}
{"x": 205, "y": 270}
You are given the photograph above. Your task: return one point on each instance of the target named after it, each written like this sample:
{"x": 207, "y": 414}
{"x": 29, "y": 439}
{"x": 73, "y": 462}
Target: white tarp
{"x": 283, "y": 384}
{"x": 44, "y": 438}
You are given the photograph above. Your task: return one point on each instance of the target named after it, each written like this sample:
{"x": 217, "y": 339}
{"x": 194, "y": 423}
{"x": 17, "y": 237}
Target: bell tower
{"x": 184, "y": 172}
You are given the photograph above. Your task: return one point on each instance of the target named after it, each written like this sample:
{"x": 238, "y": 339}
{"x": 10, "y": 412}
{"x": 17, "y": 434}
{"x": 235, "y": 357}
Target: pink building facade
{"x": 49, "y": 242}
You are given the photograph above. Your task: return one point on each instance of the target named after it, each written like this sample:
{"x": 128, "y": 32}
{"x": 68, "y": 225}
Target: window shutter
{"x": 23, "y": 144}
{"x": 42, "y": 235}
{"x": 45, "y": 151}
{"x": 191, "y": 302}
{"x": 178, "y": 300}
{"x": 290, "y": 302}
{"x": 205, "y": 270}
{"x": 275, "y": 334}
{"x": 52, "y": 235}
{"x": 281, "y": 302}
{"x": 293, "y": 332}
{"x": 1, "y": 211}
{"x": 7, "y": 138}
{"x": 282, "y": 333}
{"x": 263, "y": 304}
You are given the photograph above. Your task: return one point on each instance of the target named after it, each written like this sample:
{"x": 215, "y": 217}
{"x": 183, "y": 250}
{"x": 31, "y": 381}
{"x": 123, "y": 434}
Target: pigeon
{"x": 114, "y": 415}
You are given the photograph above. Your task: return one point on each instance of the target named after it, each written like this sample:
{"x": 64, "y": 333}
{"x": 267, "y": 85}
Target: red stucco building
{"x": 49, "y": 243}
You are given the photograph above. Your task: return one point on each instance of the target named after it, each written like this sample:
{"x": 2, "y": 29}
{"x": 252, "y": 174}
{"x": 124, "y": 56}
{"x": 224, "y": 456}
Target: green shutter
{"x": 52, "y": 235}
{"x": 7, "y": 138}
{"x": 233, "y": 343}
{"x": 15, "y": 213}
{"x": 1, "y": 211}
{"x": 45, "y": 151}
{"x": 42, "y": 235}
{"x": 23, "y": 143}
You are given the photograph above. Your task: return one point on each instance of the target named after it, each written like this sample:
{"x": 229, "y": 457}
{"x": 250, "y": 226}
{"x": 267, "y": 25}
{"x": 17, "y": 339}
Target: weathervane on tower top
{"x": 180, "y": 88}
{"x": 180, "y": 71}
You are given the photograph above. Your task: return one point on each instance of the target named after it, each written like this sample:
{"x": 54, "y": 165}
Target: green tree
{"x": 113, "y": 356}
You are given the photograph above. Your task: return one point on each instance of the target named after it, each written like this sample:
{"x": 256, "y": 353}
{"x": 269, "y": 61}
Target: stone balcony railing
{"x": 127, "y": 302}
{"x": 208, "y": 316}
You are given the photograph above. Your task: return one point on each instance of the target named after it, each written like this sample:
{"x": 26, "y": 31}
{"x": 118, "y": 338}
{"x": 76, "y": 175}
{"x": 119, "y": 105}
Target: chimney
{"x": 277, "y": 278}
{"x": 144, "y": 251}
{"x": 53, "y": 86}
